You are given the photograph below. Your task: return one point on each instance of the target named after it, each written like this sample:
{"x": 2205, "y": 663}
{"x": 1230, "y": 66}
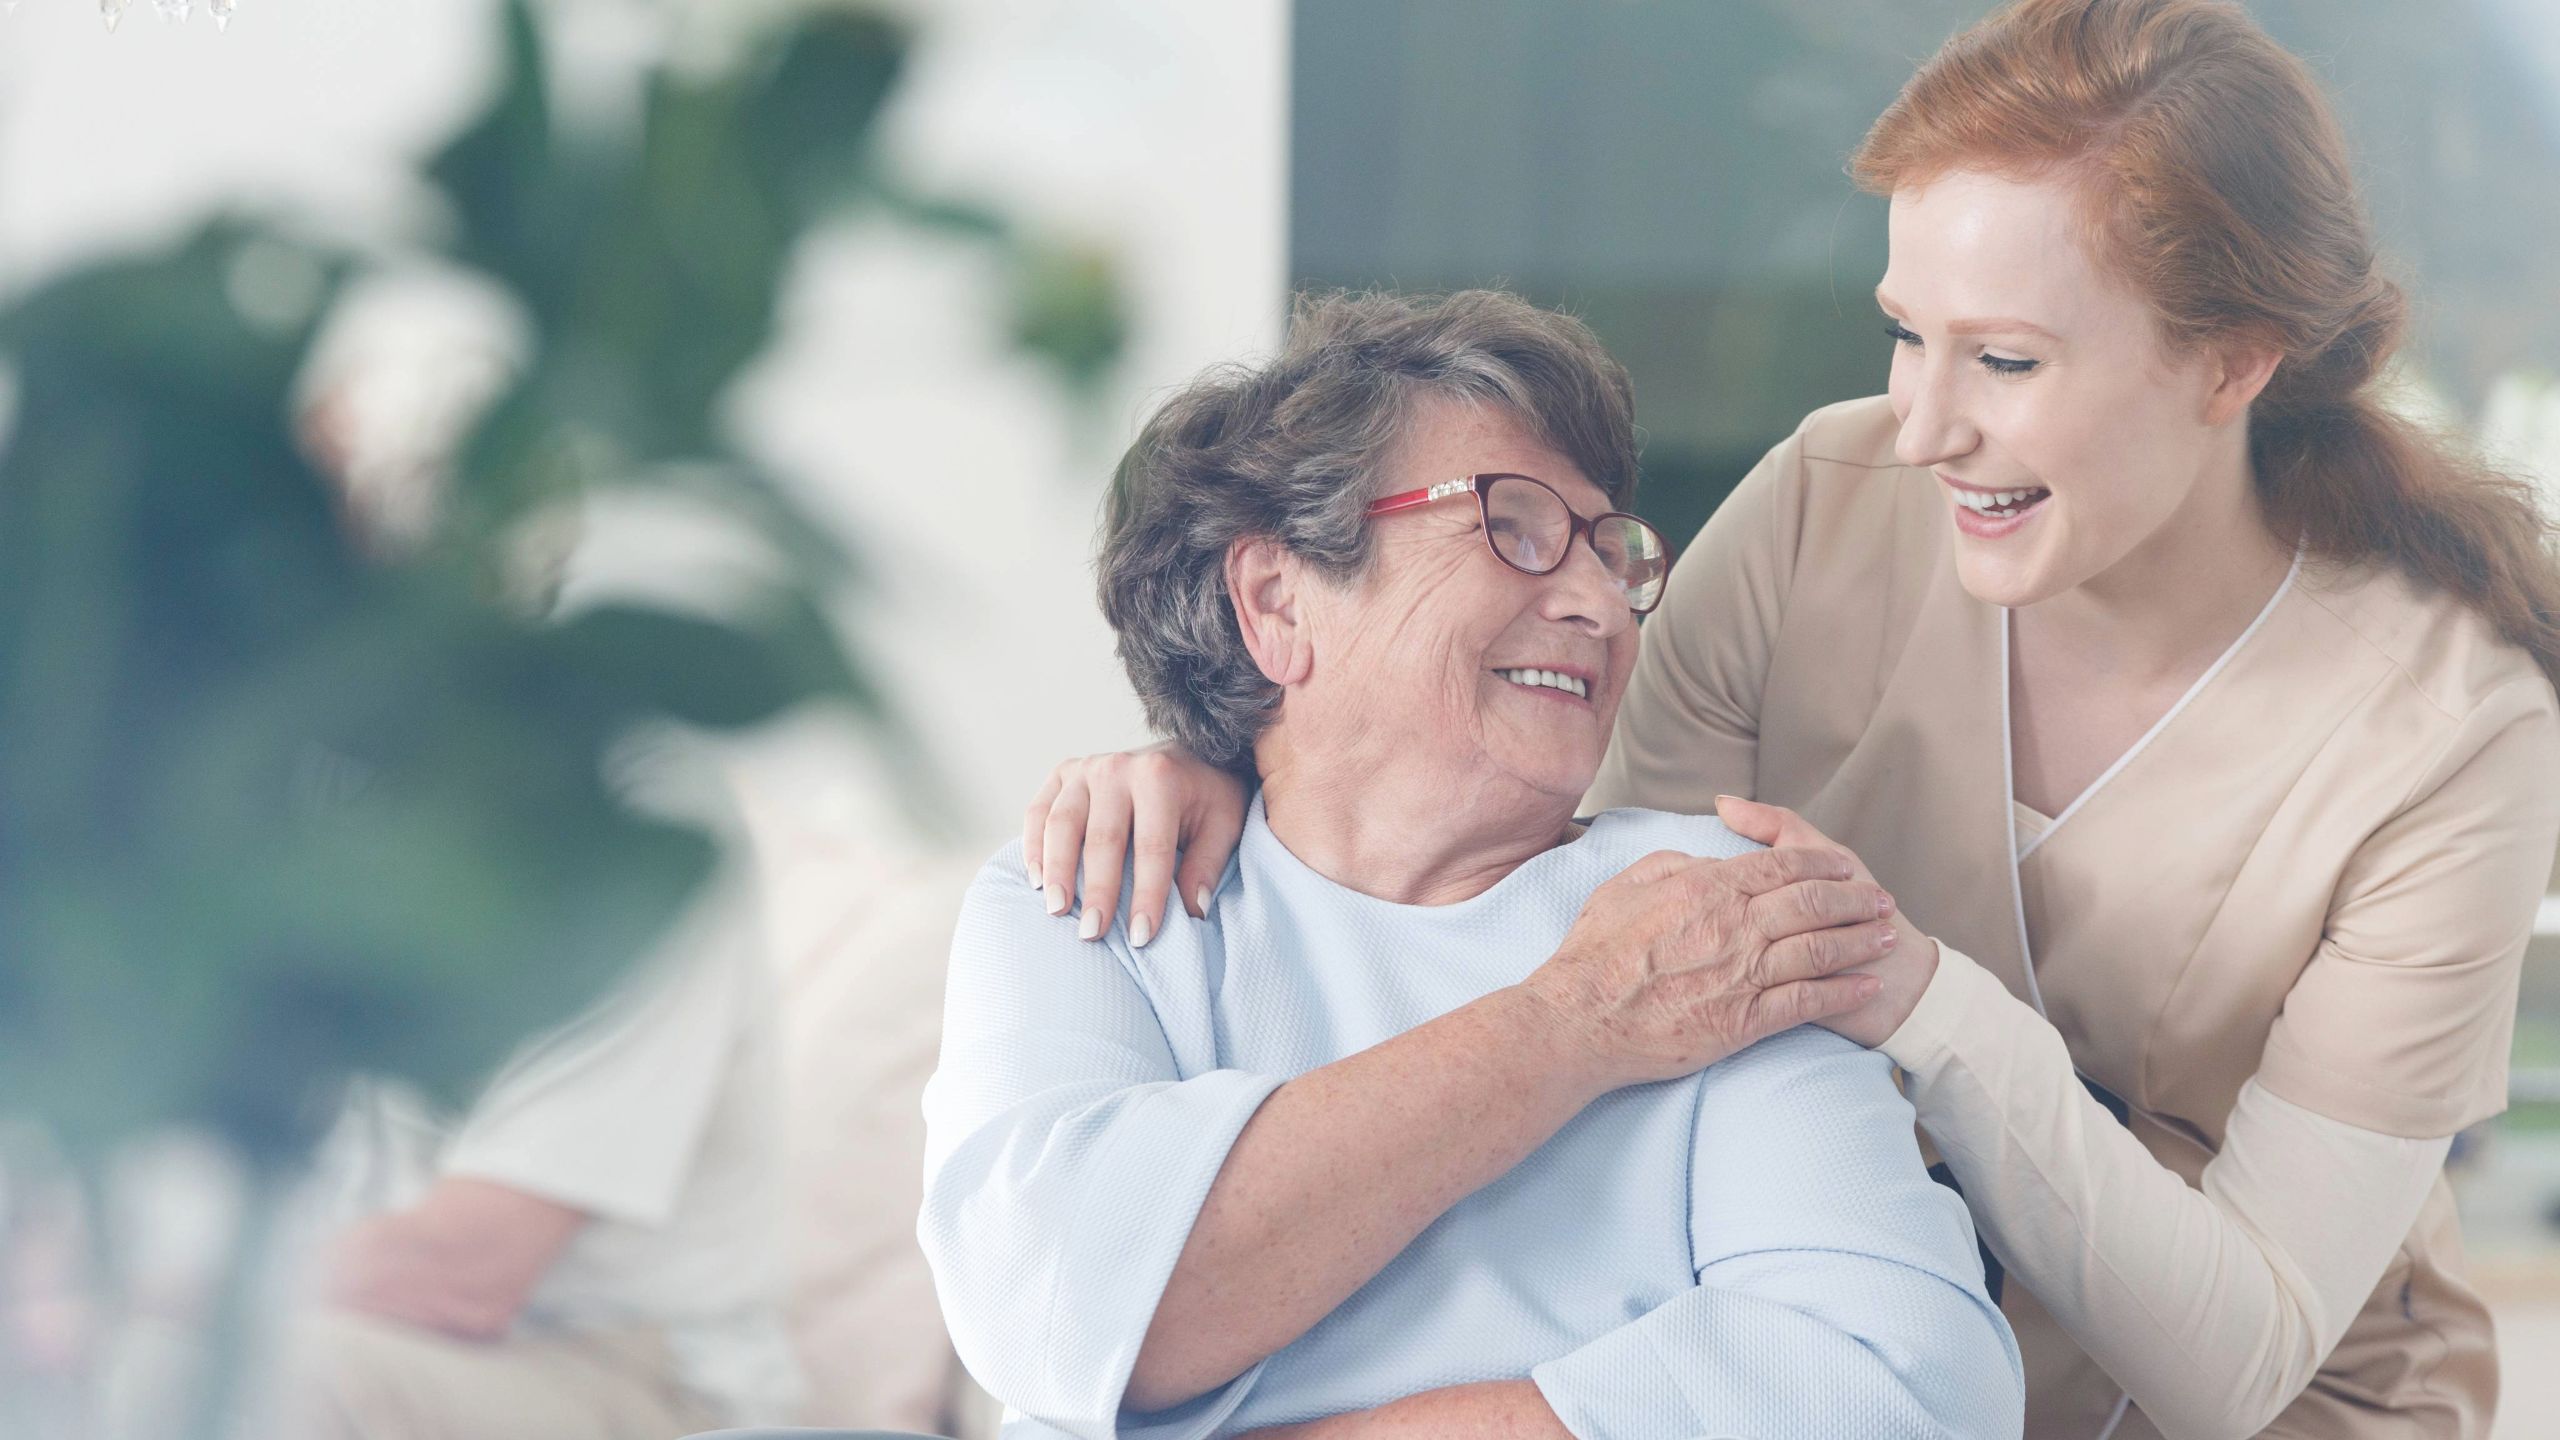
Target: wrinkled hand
{"x": 391, "y": 1266}
{"x": 462, "y": 1261}
{"x": 1902, "y": 973}
{"x": 1146, "y": 807}
{"x": 1680, "y": 962}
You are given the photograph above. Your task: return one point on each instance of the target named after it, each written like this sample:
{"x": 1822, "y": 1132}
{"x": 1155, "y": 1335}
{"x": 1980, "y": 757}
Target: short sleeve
{"x": 1689, "y": 726}
{"x": 607, "y": 1113}
{"x": 2402, "y": 1020}
{"x": 1066, "y": 1160}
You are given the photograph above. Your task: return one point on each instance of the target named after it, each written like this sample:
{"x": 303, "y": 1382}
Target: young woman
{"x": 2197, "y": 706}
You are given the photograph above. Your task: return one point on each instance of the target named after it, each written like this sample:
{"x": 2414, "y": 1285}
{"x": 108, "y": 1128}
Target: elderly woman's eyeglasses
{"x": 1531, "y": 529}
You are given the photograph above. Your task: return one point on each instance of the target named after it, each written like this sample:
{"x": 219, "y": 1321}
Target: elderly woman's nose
{"x": 1935, "y": 428}
{"x": 1582, "y": 591}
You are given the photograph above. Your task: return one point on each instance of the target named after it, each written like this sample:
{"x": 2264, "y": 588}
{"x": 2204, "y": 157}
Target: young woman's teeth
{"x": 1998, "y": 504}
{"x": 1548, "y": 678}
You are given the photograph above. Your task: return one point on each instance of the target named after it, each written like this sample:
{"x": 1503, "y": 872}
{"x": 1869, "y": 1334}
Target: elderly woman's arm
{"x": 1065, "y": 1156}
{"x": 1071, "y": 1170}
{"x": 1109, "y": 1236}
{"x": 1487, "y": 1410}
{"x": 1838, "y": 1290}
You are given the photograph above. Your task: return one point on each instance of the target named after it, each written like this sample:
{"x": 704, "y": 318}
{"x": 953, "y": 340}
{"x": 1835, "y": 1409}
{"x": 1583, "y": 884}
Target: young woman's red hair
{"x": 2218, "y": 186}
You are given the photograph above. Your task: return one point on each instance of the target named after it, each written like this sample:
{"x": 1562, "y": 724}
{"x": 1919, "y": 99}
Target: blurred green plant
{"x": 279, "y": 803}
{"x": 272, "y": 811}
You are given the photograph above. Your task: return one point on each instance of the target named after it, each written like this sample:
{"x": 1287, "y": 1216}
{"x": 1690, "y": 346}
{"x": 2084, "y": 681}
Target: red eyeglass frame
{"x": 1577, "y": 528}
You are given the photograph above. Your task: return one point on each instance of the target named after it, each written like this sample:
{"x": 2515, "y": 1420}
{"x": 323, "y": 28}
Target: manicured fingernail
{"x": 1200, "y": 900}
{"x": 1057, "y": 899}
{"x": 1884, "y": 906}
{"x": 1891, "y": 939}
{"x": 1091, "y": 927}
{"x": 1868, "y": 985}
{"x": 1722, "y": 796}
{"x": 1142, "y": 930}
{"x": 1035, "y": 877}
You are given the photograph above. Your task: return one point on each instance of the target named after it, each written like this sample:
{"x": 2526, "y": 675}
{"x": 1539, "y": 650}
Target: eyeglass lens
{"x": 1530, "y": 527}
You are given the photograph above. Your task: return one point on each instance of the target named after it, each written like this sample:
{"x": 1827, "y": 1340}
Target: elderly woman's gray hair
{"x": 1295, "y": 448}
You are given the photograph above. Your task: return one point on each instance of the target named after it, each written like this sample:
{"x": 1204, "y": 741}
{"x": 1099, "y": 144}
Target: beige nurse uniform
{"x": 2282, "y": 935}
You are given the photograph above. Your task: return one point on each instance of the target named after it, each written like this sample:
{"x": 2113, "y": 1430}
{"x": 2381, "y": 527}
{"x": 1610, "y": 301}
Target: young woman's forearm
{"x": 2213, "y": 1307}
{"x": 1339, "y": 1170}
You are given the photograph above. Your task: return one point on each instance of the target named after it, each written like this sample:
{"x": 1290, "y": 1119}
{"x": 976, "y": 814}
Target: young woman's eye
{"x": 1893, "y": 330}
{"x": 2006, "y": 364}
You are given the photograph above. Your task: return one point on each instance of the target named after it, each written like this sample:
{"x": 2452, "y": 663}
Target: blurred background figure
{"x": 878, "y": 369}
{"x": 593, "y": 1248}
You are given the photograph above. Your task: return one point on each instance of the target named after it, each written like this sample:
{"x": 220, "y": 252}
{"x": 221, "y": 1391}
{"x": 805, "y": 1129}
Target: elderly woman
{"x": 1238, "y": 1175}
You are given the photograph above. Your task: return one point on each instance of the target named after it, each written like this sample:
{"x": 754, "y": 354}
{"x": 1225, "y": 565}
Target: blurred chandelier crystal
{"x": 112, "y": 11}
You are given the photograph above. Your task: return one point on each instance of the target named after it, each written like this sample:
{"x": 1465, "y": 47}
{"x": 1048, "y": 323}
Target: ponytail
{"x": 2355, "y": 482}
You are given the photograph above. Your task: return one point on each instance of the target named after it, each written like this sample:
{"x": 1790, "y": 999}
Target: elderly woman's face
{"x": 1443, "y": 651}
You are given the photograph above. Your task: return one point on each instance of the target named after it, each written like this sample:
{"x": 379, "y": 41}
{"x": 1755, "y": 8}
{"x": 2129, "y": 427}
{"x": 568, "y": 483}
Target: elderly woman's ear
{"x": 1266, "y": 584}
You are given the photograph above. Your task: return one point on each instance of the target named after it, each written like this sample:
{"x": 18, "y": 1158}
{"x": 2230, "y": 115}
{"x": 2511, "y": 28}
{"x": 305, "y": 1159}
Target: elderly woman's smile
{"x": 1562, "y": 682}
{"x": 1444, "y": 672}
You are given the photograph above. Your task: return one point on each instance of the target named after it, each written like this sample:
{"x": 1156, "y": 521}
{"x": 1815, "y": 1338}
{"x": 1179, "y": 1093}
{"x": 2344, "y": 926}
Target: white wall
{"x": 1156, "y": 127}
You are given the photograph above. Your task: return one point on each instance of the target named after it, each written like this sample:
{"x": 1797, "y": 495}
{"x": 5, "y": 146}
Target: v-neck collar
{"x": 2007, "y": 700}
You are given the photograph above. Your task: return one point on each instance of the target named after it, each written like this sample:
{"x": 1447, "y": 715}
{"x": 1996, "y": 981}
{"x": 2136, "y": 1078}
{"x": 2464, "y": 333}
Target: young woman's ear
{"x": 1265, "y": 582}
{"x": 2245, "y": 371}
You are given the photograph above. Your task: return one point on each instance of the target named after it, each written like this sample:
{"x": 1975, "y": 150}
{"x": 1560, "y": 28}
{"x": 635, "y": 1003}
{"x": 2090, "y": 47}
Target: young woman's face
{"x": 2063, "y": 434}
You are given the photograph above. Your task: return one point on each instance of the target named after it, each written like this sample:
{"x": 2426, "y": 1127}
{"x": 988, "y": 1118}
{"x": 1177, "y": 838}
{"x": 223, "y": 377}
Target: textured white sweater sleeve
{"x": 2212, "y": 1307}
{"x": 1066, "y": 1157}
{"x": 1838, "y": 1289}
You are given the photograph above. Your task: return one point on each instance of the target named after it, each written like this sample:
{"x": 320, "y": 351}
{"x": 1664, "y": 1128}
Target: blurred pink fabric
{"x": 861, "y": 933}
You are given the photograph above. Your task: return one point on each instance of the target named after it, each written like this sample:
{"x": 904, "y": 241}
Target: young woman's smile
{"x": 1987, "y": 514}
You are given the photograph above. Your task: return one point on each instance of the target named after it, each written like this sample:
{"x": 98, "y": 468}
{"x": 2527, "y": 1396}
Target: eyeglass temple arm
{"x": 1411, "y": 498}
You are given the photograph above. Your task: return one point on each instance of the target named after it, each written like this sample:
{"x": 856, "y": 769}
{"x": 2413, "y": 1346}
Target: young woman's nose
{"x": 1934, "y": 427}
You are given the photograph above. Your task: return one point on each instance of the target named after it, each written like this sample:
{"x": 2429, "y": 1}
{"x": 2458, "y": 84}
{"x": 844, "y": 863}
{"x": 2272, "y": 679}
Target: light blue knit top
{"x": 1752, "y": 1251}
